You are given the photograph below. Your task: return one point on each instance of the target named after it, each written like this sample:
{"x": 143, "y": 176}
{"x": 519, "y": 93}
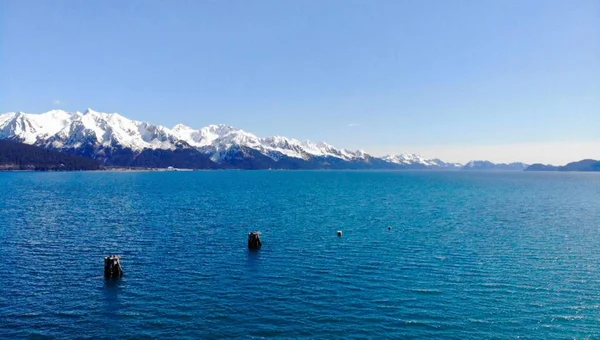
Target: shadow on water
{"x": 251, "y": 272}
{"x": 253, "y": 258}
{"x": 112, "y": 289}
{"x": 112, "y": 306}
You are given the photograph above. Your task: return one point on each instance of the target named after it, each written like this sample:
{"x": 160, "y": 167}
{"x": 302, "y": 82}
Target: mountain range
{"x": 487, "y": 165}
{"x": 114, "y": 140}
{"x": 583, "y": 165}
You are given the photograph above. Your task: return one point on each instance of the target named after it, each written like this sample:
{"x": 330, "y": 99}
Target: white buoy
{"x": 339, "y": 232}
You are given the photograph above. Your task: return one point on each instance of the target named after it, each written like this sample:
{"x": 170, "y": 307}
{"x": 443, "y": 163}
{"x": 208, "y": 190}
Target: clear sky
{"x": 459, "y": 80}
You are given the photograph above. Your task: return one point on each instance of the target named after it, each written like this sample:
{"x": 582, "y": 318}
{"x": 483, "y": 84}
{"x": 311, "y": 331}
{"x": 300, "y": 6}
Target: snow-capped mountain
{"x": 217, "y": 139}
{"x": 487, "y": 165}
{"x": 59, "y": 129}
{"x": 117, "y": 140}
{"x": 414, "y": 159}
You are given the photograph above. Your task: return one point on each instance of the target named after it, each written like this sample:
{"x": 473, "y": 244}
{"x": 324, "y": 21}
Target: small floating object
{"x": 254, "y": 240}
{"x": 389, "y": 228}
{"x": 339, "y": 233}
{"x": 112, "y": 267}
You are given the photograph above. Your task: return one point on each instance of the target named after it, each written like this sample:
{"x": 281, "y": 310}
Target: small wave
{"x": 585, "y": 307}
{"x": 480, "y": 321}
{"x": 419, "y": 323}
{"x": 426, "y": 291}
{"x": 567, "y": 317}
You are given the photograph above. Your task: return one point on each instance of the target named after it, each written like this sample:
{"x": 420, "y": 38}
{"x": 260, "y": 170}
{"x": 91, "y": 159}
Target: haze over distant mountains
{"x": 487, "y": 165}
{"x": 114, "y": 140}
{"x": 583, "y": 165}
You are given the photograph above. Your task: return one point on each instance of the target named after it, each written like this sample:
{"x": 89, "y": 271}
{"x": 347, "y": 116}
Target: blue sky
{"x": 502, "y": 80}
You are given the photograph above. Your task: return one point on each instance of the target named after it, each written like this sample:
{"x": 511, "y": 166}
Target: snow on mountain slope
{"x": 412, "y": 159}
{"x": 60, "y": 129}
{"x": 407, "y": 158}
{"x": 31, "y": 127}
{"x": 487, "y": 165}
{"x": 63, "y": 130}
{"x": 219, "y": 138}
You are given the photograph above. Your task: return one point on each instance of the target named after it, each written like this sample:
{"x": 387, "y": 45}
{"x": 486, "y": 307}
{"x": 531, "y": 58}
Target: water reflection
{"x": 110, "y": 292}
{"x": 253, "y": 258}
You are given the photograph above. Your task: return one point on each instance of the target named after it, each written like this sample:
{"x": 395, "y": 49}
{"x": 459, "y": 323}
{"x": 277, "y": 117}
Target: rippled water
{"x": 469, "y": 256}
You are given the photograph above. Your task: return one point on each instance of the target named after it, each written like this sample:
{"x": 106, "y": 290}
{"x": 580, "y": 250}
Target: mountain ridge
{"x": 587, "y": 165}
{"x": 487, "y": 165}
{"x": 115, "y": 140}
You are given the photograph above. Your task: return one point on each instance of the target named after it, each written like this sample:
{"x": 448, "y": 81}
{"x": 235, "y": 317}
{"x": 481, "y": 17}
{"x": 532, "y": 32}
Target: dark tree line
{"x": 20, "y": 156}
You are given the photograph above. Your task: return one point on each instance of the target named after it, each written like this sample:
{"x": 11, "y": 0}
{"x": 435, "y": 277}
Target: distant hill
{"x": 487, "y": 165}
{"x": 542, "y": 167}
{"x": 20, "y": 156}
{"x": 583, "y": 165}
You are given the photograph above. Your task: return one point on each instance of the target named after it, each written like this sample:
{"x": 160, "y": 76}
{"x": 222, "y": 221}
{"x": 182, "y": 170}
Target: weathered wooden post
{"x": 254, "y": 240}
{"x": 112, "y": 267}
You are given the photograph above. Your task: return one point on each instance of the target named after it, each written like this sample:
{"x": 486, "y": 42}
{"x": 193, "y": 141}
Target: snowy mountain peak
{"x": 91, "y": 111}
{"x": 414, "y": 159}
{"x": 181, "y": 127}
{"x": 221, "y": 127}
{"x": 487, "y": 165}
{"x": 402, "y": 158}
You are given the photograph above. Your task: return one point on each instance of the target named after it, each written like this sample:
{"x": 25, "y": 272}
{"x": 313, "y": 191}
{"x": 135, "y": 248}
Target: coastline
{"x": 31, "y": 168}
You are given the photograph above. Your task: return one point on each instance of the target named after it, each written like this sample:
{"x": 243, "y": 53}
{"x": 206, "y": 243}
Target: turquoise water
{"x": 469, "y": 255}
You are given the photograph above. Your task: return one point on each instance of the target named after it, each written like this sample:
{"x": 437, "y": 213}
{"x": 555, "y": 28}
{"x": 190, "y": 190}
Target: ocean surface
{"x": 470, "y": 255}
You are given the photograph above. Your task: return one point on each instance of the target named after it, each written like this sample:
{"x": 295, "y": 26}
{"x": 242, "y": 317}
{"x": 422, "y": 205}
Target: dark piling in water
{"x": 254, "y": 240}
{"x": 112, "y": 267}
{"x": 339, "y": 233}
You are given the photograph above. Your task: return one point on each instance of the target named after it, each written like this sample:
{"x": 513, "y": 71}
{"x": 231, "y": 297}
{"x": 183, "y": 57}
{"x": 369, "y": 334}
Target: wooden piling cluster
{"x": 112, "y": 264}
{"x": 112, "y": 267}
{"x": 254, "y": 240}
